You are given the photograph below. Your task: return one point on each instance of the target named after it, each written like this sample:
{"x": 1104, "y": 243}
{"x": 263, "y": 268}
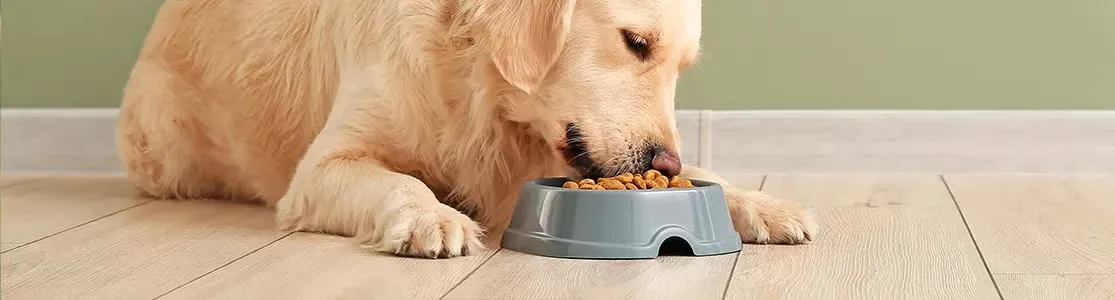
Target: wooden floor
{"x": 886, "y": 236}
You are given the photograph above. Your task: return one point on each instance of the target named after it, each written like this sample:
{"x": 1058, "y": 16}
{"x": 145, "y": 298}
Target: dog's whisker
{"x": 609, "y": 169}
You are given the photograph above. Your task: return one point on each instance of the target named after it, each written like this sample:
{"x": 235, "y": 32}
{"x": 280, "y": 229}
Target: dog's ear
{"x": 524, "y": 37}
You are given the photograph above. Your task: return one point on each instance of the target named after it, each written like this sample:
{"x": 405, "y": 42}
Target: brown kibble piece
{"x": 678, "y": 182}
{"x": 586, "y": 181}
{"x": 625, "y": 177}
{"x": 570, "y": 185}
{"x": 661, "y": 181}
{"x": 640, "y": 183}
{"x": 630, "y": 186}
{"x": 598, "y": 187}
{"x": 651, "y": 175}
{"x": 585, "y": 186}
{"x": 612, "y": 184}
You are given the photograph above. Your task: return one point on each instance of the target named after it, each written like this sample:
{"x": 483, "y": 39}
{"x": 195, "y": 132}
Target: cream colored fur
{"x": 407, "y": 124}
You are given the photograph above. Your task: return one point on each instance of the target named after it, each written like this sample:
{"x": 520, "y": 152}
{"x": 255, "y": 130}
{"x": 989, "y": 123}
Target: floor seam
{"x": 79, "y": 225}
{"x": 732, "y": 270}
{"x": 971, "y": 235}
{"x": 731, "y": 274}
{"x": 224, "y": 265}
{"x": 477, "y": 268}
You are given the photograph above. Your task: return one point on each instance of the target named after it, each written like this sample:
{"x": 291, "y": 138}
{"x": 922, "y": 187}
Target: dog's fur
{"x": 409, "y": 124}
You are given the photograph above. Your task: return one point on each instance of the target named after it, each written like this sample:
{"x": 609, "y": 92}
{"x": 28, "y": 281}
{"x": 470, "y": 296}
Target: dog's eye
{"x": 637, "y": 44}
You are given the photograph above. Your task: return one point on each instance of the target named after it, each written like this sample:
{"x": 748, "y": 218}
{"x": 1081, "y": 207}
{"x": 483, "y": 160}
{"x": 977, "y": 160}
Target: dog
{"x": 408, "y": 125}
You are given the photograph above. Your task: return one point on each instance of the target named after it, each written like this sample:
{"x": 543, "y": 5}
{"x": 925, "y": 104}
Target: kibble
{"x": 650, "y": 180}
{"x": 612, "y": 184}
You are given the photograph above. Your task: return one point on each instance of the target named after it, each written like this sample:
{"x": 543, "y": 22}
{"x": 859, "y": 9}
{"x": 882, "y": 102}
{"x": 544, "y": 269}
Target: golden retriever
{"x": 410, "y": 124}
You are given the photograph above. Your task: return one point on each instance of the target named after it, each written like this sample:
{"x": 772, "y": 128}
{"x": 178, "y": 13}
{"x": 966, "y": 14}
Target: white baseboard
{"x": 81, "y": 141}
{"x": 65, "y": 140}
{"x": 914, "y": 141}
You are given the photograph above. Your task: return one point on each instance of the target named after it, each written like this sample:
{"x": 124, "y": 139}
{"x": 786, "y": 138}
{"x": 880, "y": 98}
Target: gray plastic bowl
{"x": 554, "y": 221}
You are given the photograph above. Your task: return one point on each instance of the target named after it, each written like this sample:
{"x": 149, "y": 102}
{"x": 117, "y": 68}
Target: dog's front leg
{"x": 339, "y": 189}
{"x": 758, "y": 217}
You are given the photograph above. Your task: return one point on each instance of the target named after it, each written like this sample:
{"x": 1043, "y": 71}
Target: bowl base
{"x": 549, "y": 246}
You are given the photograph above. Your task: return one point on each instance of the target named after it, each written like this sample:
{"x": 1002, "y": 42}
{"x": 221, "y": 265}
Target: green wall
{"x": 62, "y": 53}
{"x": 758, "y": 54}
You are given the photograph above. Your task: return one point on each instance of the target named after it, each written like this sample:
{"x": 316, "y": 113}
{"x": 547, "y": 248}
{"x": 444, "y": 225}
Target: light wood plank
{"x": 317, "y": 266}
{"x": 139, "y": 253}
{"x": 34, "y": 210}
{"x": 913, "y": 246}
{"x": 513, "y": 275}
{"x": 12, "y": 179}
{"x": 9, "y": 246}
{"x": 6, "y": 181}
{"x": 1044, "y": 287}
{"x": 1050, "y": 224}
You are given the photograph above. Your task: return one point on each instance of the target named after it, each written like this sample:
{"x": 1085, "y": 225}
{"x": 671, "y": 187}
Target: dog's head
{"x": 595, "y": 78}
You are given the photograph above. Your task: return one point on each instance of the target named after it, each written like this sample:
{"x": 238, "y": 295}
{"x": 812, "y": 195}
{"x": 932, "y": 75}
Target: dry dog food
{"x": 650, "y": 180}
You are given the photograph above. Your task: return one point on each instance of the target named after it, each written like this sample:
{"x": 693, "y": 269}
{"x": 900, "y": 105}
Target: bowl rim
{"x": 534, "y": 184}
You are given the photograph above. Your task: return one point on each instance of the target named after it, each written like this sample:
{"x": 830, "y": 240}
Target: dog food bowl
{"x": 554, "y": 221}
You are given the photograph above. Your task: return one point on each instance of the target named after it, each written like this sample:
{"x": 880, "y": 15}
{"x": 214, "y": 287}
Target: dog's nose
{"x": 666, "y": 162}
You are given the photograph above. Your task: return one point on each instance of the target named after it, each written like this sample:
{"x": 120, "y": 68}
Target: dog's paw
{"x": 760, "y": 218}
{"x": 430, "y": 231}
